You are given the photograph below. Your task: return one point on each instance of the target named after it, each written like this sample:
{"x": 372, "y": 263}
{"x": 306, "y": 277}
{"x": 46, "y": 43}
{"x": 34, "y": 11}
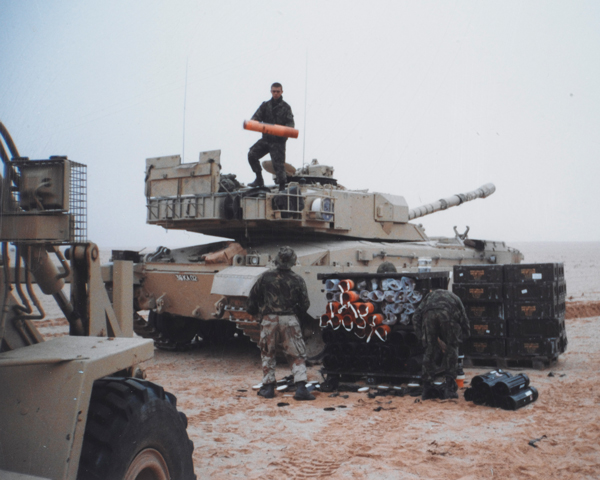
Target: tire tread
{"x": 115, "y": 418}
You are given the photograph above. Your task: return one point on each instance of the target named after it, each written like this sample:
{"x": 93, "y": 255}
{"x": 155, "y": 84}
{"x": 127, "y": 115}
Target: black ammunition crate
{"x": 478, "y": 273}
{"x": 534, "y": 272}
{"x": 553, "y": 292}
{"x": 487, "y": 311}
{"x": 533, "y": 346}
{"x": 492, "y": 347}
{"x": 534, "y": 310}
{"x": 359, "y": 359}
{"x": 553, "y": 327}
{"x": 488, "y": 328}
{"x": 482, "y": 292}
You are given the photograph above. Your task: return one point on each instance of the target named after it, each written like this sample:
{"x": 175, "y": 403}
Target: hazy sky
{"x": 419, "y": 99}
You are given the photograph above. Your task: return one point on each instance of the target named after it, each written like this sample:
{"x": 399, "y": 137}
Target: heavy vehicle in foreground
{"x": 73, "y": 407}
{"x": 201, "y": 290}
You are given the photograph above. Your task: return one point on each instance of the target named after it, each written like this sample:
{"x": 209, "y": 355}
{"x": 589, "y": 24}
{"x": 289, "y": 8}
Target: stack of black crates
{"x": 398, "y": 358}
{"x": 516, "y": 313}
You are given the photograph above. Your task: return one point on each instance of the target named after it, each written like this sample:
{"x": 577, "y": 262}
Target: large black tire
{"x": 135, "y": 432}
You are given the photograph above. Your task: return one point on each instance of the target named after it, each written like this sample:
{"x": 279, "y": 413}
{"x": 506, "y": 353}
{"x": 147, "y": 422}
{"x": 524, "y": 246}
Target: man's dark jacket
{"x": 276, "y": 112}
{"x": 278, "y": 291}
{"x": 442, "y": 300}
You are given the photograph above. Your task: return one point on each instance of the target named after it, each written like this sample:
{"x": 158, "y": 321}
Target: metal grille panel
{"x": 40, "y": 190}
{"x": 78, "y": 202}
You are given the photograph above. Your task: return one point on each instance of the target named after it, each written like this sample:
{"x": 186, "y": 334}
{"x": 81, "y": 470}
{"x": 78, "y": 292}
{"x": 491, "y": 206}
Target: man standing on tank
{"x": 441, "y": 321}
{"x": 276, "y": 112}
{"x": 279, "y": 296}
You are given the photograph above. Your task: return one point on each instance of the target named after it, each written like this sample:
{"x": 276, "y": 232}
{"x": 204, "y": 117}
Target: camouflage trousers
{"x": 284, "y": 330}
{"x": 437, "y": 324}
{"x": 277, "y": 152}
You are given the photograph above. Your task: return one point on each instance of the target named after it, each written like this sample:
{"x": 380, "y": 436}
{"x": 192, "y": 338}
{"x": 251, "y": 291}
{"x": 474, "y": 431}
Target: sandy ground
{"x": 239, "y": 435}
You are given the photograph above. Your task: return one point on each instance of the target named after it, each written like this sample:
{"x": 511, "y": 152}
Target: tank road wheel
{"x": 315, "y": 348}
{"x": 134, "y": 432}
{"x": 176, "y": 331}
{"x": 313, "y": 338}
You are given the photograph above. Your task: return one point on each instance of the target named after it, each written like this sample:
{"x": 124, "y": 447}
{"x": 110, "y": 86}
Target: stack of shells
{"x": 369, "y": 308}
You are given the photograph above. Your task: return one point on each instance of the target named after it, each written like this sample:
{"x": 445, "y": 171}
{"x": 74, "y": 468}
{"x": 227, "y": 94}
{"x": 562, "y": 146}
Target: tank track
{"x": 249, "y": 328}
{"x": 169, "y": 345}
{"x": 143, "y": 329}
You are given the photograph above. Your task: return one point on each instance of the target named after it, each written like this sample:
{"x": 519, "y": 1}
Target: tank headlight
{"x": 323, "y": 208}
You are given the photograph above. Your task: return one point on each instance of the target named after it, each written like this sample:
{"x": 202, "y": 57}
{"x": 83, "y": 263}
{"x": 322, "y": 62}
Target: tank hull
{"x": 215, "y": 285}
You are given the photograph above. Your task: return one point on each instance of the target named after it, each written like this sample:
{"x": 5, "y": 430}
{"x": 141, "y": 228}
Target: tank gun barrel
{"x": 453, "y": 201}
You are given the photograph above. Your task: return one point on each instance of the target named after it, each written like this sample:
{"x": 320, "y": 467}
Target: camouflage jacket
{"x": 276, "y": 112}
{"x": 443, "y": 300}
{"x": 278, "y": 291}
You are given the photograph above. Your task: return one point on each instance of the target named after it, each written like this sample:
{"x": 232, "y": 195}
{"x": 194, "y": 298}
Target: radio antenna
{"x": 305, "y": 96}
{"x": 184, "y": 104}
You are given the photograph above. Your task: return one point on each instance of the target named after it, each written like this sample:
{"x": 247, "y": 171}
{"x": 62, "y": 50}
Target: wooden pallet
{"x": 372, "y": 378}
{"x": 535, "y": 363}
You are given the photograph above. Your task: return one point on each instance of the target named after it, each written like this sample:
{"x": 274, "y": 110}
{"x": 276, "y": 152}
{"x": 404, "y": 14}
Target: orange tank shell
{"x": 277, "y": 130}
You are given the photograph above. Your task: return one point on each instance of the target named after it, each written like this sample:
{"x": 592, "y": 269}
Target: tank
{"x": 202, "y": 289}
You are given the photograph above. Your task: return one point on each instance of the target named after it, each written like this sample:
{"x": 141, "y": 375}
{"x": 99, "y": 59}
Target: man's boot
{"x": 259, "y": 182}
{"x": 302, "y": 393}
{"x": 450, "y": 388}
{"x": 429, "y": 391}
{"x": 282, "y": 186}
{"x": 267, "y": 390}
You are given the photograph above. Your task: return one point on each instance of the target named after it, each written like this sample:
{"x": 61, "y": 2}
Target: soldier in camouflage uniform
{"x": 279, "y": 296}
{"x": 276, "y": 112}
{"x": 441, "y": 321}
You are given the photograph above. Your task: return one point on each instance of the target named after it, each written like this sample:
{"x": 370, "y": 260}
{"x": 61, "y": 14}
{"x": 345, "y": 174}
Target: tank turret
{"x": 197, "y": 198}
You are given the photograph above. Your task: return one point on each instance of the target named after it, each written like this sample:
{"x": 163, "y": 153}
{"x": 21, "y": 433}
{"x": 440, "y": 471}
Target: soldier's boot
{"x": 267, "y": 390}
{"x": 450, "y": 388}
{"x": 429, "y": 391}
{"x": 282, "y": 186}
{"x": 302, "y": 393}
{"x": 259, "y": 182}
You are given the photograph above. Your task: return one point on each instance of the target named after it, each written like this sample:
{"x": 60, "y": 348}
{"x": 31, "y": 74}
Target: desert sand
{"x": 240, "y": 435}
